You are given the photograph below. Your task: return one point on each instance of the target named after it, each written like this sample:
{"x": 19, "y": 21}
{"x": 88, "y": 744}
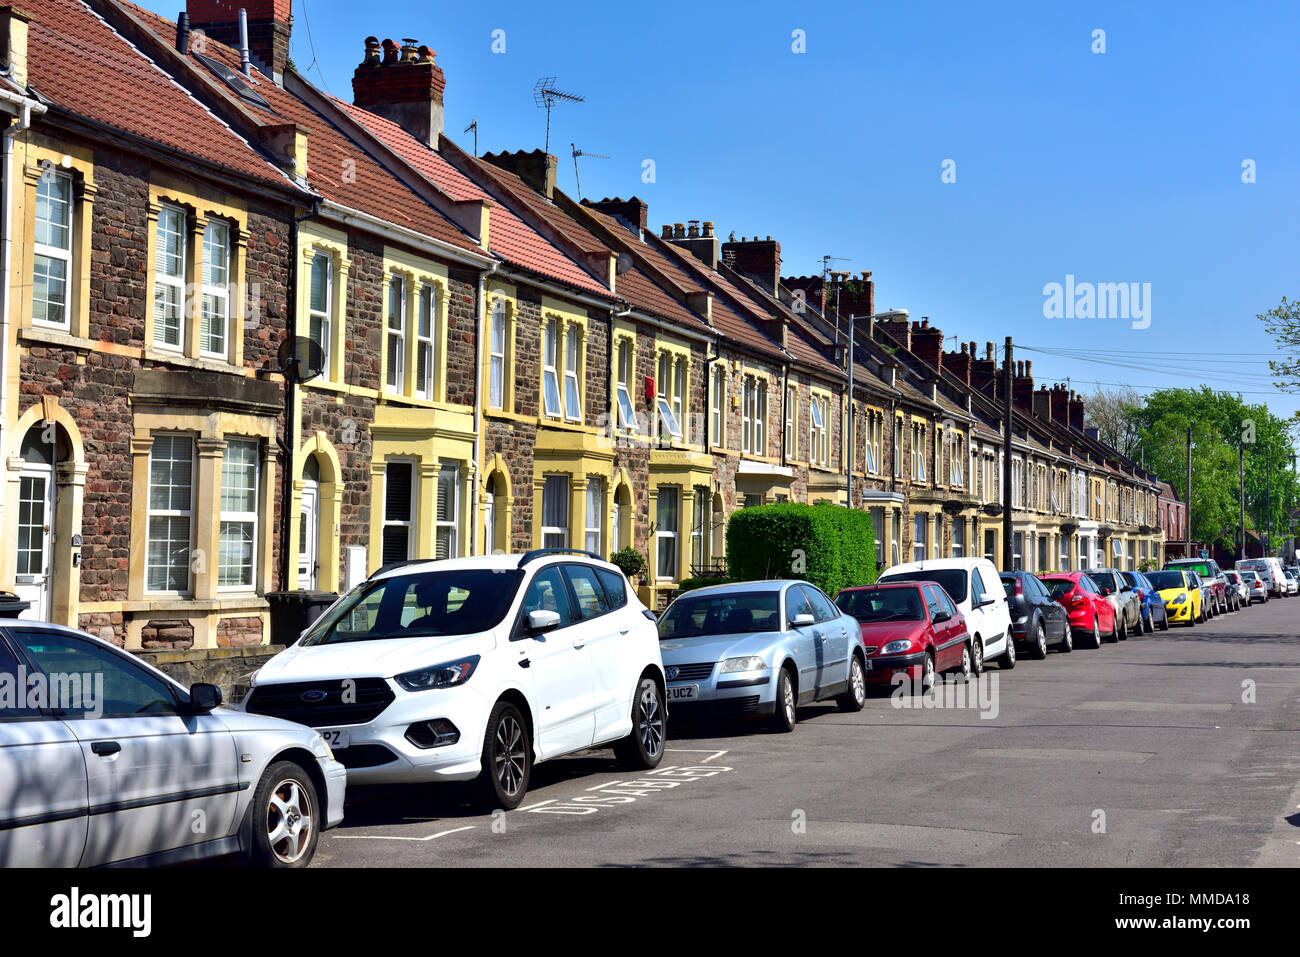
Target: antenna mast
{"x": 545, "y": 95}
{"x": 473, "y": 125}
{"x": 576, "y": 153}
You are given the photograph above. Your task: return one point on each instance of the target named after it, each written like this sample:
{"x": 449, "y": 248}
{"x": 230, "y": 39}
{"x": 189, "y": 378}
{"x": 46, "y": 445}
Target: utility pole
{"x": 1241, "y": 468}
{"x": 1268, "y": 501}
{"x": 853, "y": 435}
{"x": 1188, "y": 552}
{"x": 1006, "y": 458}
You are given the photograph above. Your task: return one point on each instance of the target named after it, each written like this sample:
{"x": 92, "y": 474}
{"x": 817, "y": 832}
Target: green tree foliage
{"x": 1283, "y": 324}
{"x": 829, "y": 545}
{"x": 1221, "y": 423}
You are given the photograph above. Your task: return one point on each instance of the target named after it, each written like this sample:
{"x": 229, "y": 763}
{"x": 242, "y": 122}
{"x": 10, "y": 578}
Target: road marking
{"x": 711, "y": 754}
{"x": 384, "y": 837}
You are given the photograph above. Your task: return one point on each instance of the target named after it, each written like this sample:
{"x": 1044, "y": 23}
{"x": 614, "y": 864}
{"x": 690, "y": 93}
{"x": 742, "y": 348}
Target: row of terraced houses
{"x": 500, "y": 366}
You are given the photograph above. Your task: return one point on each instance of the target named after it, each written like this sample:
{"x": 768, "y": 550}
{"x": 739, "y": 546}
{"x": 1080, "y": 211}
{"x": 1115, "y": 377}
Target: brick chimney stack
{"x": 1043, "y": 403}
{"x": 759, "y": 259}
{"x": 986, "y": 377}
{"x": 402, "y": 84}
{"x": 269, "y": 25}
{"x": 1076, "y": 411}
{"x": 699, "y": 240}
{"x": 1022, "y": 385}
{"x": 632, "y": 211}
{"x": 899, "y": 330}
{"x": 1060, "y": 399}
{"x": 927, "y": 343}
{"x": 961, "y": 363}
{"x": 537, "y": 169}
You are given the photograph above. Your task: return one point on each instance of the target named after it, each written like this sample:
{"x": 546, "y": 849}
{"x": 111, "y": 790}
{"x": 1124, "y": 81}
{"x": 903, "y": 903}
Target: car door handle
{"x": 579, "y": 643}
{"x": 524, "y": 662}
{"x": 105, "y": 748}
{"x": 624, "y": 631}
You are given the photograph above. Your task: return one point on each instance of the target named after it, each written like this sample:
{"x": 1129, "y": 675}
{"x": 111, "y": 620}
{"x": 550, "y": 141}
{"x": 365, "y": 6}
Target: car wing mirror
{"x": 204, "y": 698}
{"x": 541, "y": 621}
{"x": 802, "y": 621}
{"x": 941, "y": 617}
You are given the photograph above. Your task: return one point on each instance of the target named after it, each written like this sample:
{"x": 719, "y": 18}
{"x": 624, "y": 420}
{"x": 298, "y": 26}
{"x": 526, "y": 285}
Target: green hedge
{"x": 829, "y": 545}
{"x": 690, "y": 584}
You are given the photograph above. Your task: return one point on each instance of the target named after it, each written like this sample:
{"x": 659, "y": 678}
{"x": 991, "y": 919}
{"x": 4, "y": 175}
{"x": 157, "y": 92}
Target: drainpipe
{"x": 479, "y": 320}
{"x": 28, "y": 108}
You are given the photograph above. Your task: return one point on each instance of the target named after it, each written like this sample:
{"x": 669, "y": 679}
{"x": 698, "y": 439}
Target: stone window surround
{"x": 417, "y": 274}
{"x": 198, "y": 210}
{"x": 79, "y": 165}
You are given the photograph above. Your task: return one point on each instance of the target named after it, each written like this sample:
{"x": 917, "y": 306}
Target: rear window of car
{"x": 1058, "y": 587}
{"x": 953, "y": 580}
{"x": 1201, "y": 568}
{"x": 1166, "y": 579}
{"x": 615, "y": 586}
{"x": 693, "y": 616}
{"x": 881, "y": 604}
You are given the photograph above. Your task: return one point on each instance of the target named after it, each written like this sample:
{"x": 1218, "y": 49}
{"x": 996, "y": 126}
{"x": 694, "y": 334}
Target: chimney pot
{"x": 694, "y": 231}
{"x": 666, "y": 231}
{"x": 708, "y": 229}
{"x": 679, "y": 230}
{"x": 412, "y": 97}
{"x": 390, "y": 52}
{"x": 988, "y": 350}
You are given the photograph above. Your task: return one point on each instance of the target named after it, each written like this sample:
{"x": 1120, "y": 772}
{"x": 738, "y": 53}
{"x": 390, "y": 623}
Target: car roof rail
{"x": 539, "y": 552}
{"x": 391, "y": 565}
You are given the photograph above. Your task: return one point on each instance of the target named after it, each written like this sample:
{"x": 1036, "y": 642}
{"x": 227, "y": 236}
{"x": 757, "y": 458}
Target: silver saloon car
{"x": 760, "y": 649}
{"x": 105, "y": 760}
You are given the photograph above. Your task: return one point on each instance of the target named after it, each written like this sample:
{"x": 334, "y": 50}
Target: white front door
{"x": 490, "y": 523}
{"x": 308, "y": 536}
{"x": 35, "y": 536}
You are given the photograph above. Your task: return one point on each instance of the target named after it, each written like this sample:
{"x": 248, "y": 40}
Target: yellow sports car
{"x": 1181, "y": 596}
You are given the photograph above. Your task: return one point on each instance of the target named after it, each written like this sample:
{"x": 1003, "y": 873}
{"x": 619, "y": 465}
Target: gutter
{"x": 27, "y": 107}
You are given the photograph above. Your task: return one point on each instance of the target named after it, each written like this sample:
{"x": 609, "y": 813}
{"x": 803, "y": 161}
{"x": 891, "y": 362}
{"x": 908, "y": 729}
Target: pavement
{"x": 1176, "y": 749}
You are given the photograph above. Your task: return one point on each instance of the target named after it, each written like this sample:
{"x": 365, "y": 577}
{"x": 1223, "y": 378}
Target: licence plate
{"x": 683, "y": 692}
{"x": 334, "y": 738}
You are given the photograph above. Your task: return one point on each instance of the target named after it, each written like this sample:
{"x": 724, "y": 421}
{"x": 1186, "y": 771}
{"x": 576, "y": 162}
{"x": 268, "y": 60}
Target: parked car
{"x": 761, "y": 649}
{"x": 1115, "y": 588}
{"x": 476, "y": 669}
{"x": 1153, "y": 609}
{"x": 1208, "y": 570}
{"x": 1238, "y": 585}
{"x": 974, "y": 587}
{"x": 1091, "y": 615}
{"x": 1292, "y": 583}
{"x": 1256, "y": 588}
{"x": 1208, "y": 603}
{"x": 1183, "y": 596}
{"x": 1270, "y": 572}
{"x": 117, "y": 762}
{"x": 1037, "y": 619}
{"x": 909, "y": 628}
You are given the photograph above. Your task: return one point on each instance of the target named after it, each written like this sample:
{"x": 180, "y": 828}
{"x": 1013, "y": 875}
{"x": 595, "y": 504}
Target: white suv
{"x": 476, "y": 668}
{"x": 974, "y": 586}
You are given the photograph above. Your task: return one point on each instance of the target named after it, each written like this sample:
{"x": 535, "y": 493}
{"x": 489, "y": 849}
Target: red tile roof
{"x": 337, "y": 167}
{"x": 508, "y": 236}
{"x": 77, "y": 62}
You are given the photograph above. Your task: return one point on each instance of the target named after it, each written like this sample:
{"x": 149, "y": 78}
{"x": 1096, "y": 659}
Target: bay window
{"x": 666, "y": 518}
{"x": 447, "y": 520}
{"x": 239, "y": 467}
{"x": 555, "y": 512}
{"x": 171, "y": 512}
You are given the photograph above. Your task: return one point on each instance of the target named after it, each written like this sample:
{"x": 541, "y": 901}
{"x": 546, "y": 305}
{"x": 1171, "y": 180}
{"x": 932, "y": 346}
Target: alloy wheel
{"x": 650, "y": 722}
{"x": 290, "y": 821}
{"x": 509, "y": 755}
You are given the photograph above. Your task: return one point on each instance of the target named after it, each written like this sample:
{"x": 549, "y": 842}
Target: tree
{"x": 1110, "y": 412}
{"x": 1283, "y": 324}
{"x": 1222, "y": 424}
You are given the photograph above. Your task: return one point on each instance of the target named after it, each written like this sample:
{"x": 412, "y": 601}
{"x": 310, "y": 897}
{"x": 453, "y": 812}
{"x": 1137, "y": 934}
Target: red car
{"x": 1091, "y": 615}
{"x": 912, "y": 628}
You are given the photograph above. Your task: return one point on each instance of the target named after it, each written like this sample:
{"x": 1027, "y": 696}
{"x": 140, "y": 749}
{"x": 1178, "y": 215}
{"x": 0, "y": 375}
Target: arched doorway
{"x": 309, "y": 513}
{"x": 44, "y": 446}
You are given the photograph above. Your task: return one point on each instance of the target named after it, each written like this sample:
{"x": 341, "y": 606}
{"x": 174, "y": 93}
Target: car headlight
{"x": 751, "y": 663}
{"x": 894, "y": 647}
{"x": 242, "y": 688}
{"x": 1179, "y": 599}
{"x": 446, "y": 675}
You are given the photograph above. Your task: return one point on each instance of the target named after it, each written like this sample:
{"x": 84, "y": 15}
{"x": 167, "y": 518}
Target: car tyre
{"x": 285, "y": 816}
{"x": 507, "y": 759}
{"x": 967, "y": 669}
{"x": 786, "y": 714}
{"x": 643, "y": 749}
{"x": 928, "y": 672}
{"x": 1007, "y": 660}
{"x": 1067, "y": 642}
{"x": 1040, "y": 642}
{"x": 855, "y": 698}
{"x": 977, "y": 656}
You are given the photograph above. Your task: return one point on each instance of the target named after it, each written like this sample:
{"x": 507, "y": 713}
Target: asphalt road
{"x": 1170, "y": 750}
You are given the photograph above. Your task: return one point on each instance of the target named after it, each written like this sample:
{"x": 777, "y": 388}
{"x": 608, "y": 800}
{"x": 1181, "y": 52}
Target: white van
{"x": 1270, "y": 570}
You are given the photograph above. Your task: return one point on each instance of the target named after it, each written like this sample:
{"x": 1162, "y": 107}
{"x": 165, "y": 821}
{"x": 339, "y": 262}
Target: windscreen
{"x": 882, "y": 604}
{"x": 727, "y": 613}
{"x": 953, "y": 580}
{"x": 1166, "y": 579}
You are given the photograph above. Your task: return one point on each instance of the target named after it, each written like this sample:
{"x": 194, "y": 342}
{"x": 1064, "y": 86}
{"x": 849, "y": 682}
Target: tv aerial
{"x": 473, "y": 125}
{"x": 576, "y": 153}
{"x": 545, "y": 95}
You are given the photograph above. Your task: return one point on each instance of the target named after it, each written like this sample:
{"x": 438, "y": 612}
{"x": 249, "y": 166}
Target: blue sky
{"x": 1122, "y": 166}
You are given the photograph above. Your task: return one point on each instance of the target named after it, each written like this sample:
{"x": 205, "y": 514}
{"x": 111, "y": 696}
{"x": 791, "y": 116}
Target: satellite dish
{"x": 301, "y": 359}
{"x": 623, "y": 265}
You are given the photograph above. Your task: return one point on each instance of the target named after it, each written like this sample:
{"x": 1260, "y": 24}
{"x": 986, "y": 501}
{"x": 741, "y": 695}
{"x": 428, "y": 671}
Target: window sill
{"x": 207, "y": 365}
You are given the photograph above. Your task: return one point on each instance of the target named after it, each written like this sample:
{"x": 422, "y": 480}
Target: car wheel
{"x": 1149, "y": 623}
{"x": 967, "y": 670}
{"x": 643, "y": 749}
{"x": 977, "y": 656}
{"x": 855, "y": 698}
{"x": 1007, "y": 660}
{"x": 1122, "y": 629}
{"x": 1040, "y": 642}
{"x": 1096, "y": 631}
{"x": 1164, "y": 622}
{"x": 285, "y": 818}
{"x": 785, "y": 715}
{"x": 928, "y": 673}
{"x": 1067, "y": 643}
{"x": 507, "y": 759}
